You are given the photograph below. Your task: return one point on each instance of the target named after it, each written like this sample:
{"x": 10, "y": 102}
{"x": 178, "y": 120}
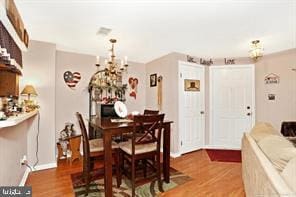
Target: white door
{"x": 191, "y": 107}
{"x": 232, "y": 105}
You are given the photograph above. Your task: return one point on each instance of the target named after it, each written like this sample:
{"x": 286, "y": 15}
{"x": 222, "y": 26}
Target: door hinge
{"x": 181, "y": 143}
{"x": 180, "y": 75}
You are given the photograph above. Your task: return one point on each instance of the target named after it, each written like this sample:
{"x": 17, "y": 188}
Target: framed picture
{"x": 271, "y": 97}
{"x": 192, "y": 85}
{"x": 153, "y": 80}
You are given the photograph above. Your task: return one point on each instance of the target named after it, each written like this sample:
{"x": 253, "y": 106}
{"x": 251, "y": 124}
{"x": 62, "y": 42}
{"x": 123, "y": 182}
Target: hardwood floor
{"x": 209, "y": 178}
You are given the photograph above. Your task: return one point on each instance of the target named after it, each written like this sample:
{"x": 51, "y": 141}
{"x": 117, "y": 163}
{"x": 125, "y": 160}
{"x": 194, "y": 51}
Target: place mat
{"x": 149, "y": 189}
{"x": 119, "y": 120}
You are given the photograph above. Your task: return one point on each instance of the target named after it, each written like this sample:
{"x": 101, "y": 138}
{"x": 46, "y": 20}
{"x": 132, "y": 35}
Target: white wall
{"x": 136, "y": 70}
{"x": 165, "y": 66}
{"x": 13, "y": 146}
{"x": 39, "y": 71}
{"x": 283, "y": 108}
{"x": 69, "y": 101}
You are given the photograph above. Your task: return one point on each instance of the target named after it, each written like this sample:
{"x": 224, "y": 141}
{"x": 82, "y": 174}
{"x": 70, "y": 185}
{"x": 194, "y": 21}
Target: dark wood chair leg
{"x": 133, "y": 179}
{"x": 145, "y": 167}
{"x": 92, "y": 163}
{"x": 87, "y": 182}
{"x": 159, "y": 173}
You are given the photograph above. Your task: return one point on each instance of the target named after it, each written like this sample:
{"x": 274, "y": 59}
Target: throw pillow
{"x": 278, "y": 150}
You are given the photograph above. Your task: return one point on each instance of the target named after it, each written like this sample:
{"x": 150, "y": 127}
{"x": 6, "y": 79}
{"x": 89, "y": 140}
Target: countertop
{"x": 15, "y": 120}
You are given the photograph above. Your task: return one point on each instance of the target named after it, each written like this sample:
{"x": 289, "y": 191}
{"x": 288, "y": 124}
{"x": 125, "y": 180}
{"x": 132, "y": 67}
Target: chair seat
{"x": 97, "y": 145}
{"x": 139, "y": 149}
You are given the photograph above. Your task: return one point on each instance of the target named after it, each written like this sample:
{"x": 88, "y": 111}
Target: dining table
{"x": 109, "y": 128}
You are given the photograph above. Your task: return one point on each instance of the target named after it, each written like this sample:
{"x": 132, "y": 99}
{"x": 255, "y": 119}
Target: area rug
{"x": 149, "y": 189}
{"x": 224, "y": 155}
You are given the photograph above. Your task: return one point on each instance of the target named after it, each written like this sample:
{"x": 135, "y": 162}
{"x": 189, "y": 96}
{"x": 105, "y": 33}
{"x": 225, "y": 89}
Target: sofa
{"x": 268, "y": 163}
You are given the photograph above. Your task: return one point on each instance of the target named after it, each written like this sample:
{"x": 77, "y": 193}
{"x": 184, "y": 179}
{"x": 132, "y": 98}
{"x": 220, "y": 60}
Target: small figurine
{"x": 68, "y": 131}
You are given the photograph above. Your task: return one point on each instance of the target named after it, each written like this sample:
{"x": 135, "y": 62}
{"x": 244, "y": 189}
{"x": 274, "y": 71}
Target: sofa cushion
{"x": 262, "y": 130}
{"x": 278, "y": 150}
{"x": 289, "y": 174}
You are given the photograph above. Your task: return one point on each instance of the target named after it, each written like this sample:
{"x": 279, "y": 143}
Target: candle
{"x": 98, "y": 60}
{"x": 125, "y": 60}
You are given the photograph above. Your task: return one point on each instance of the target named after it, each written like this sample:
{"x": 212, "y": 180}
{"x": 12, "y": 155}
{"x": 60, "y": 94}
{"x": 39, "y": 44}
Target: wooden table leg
{"x": 166, "y": 152}
{"x": 107, "y": 137}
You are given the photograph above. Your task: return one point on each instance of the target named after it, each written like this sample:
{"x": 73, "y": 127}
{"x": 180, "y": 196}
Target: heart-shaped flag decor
{"x": 71, "y": 79}
{"x": 133, "y": 83}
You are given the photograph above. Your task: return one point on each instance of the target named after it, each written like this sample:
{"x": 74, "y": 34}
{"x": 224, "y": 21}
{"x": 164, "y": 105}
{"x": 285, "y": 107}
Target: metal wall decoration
{"x": 190, "y": 59}
{"x": 71, "y": 79}
{"x": 133, "y": 84}
{"x": 191, "y": 85}
{"x": 229, "y": 61}
{"x": 206, "y": 62}
{"x": 272, "y": 79}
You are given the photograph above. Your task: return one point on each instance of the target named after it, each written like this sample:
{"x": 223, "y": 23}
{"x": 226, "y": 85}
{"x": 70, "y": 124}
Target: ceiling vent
{"x": 103, "y": 31}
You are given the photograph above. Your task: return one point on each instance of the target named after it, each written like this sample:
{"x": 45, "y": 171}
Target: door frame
{"x": 252, "y": 66}
{"x": 180, "y": 89}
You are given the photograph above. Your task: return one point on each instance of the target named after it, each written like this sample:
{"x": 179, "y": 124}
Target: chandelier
{"x": 106, "y": 85}
{"x": 112, "y": 71}
{"x": 256, "y": 50}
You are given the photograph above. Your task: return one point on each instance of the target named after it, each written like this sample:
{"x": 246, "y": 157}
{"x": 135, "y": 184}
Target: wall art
{"x": 191, "y": 85}
{"x": 133, "y": 84}
{"x": 190, "y": 59}
{"x": 206, "y": 62}
{"x": 71, "y": 79}
{"x": 153, "y": 80}
{"x": 159, "y": 93}
{"x": 272, "y": 79}
{"x": 271, "y": 97}
{"x": 229, "y": 61}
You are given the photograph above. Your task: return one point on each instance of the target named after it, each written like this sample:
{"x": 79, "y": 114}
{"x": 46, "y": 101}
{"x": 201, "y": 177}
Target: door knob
{"x": 248, "y": 107}
{"x": 202, "y": 112}
{"x": 249, "y": 114}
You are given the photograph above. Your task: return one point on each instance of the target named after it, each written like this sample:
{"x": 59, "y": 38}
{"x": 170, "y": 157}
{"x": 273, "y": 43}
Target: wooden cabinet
{"x": 9, "y": 83}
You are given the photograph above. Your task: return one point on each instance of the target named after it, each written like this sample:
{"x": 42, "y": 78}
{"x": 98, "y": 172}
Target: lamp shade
{"x": 29, "y": 90}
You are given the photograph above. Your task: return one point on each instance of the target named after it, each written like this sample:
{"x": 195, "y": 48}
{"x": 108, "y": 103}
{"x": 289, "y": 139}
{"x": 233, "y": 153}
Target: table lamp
{"x": 29, "y": 90}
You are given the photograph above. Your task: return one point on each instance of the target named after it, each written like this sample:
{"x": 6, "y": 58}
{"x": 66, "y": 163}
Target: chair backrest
{"x": 150, "y": 112}
{"x": 85, "y": 143}
{"x": 150, "y": 127}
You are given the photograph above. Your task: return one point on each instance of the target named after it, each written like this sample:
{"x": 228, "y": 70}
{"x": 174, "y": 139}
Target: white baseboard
{"x": 25, "y": 176}
{"x": 175, "y": 155}
{"x": 45, "y": 166}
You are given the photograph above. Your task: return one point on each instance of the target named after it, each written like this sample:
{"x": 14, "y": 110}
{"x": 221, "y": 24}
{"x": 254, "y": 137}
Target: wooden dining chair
{"x": 145, "y": 147}
{"x": 150, "y": 112}
{"x": 95, "y": 149}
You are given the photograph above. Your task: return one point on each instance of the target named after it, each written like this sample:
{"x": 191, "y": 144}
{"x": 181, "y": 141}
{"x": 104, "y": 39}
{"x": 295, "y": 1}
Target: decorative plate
{"x": 120, "y": 109}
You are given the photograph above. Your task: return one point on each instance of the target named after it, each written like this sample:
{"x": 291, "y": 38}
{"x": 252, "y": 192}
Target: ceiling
{"x": 149, "y": 29}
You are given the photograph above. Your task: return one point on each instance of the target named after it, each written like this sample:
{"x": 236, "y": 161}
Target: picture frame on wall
{"x": 192, "y": 85}
{"x": 153, "y": 80}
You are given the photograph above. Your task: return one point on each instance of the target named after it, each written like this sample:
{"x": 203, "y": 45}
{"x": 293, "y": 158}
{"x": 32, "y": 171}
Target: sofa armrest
{"x": 259, "y": 175}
